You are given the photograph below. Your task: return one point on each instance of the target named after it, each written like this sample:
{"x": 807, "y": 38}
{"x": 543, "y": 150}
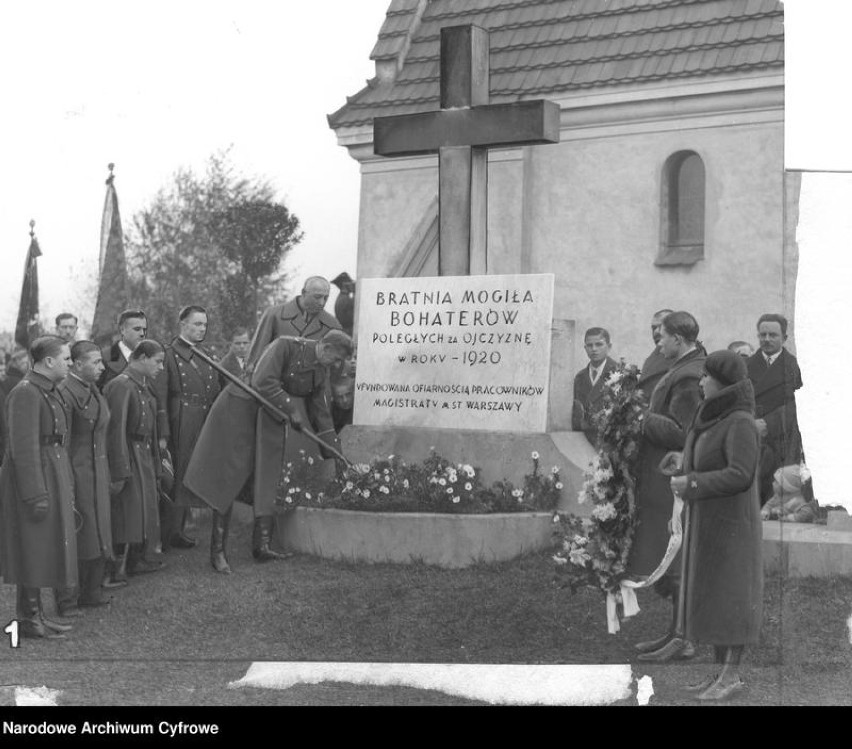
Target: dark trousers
{"x": 90, "y": 574}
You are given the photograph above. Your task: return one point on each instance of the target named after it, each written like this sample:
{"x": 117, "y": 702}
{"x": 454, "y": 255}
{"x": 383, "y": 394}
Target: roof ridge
{"x": 589, "y": 38}
{"x": 612, "y": 58}
{"x": 602, "y": 13}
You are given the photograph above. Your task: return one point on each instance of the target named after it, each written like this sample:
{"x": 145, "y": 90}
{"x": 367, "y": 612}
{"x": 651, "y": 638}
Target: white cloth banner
{"x": 626, "y": 592}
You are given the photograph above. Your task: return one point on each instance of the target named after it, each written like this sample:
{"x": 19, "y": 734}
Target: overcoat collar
{"x": 81, "y": 391}
{"x": 138, "y": 378}
{"x": 40, "y": 381}
{"x": 736, "y": 397}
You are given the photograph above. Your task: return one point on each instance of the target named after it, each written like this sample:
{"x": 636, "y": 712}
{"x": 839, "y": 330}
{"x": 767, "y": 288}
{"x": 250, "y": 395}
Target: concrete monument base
{"x": 805, "y": 550}
{"x": 498, "y": 454}
{"x": 450, "y": 541}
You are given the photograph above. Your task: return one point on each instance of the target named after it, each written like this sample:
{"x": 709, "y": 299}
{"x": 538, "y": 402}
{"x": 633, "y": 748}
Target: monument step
{"x": 806, "y": 550}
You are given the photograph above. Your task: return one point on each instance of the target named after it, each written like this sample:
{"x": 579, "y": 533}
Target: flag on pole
{"x": 27, "y": 328}
{"x": 112, "y": 270}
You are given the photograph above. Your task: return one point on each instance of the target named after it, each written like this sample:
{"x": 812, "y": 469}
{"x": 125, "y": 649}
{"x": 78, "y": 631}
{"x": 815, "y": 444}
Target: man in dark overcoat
{"x": 38, "y": 543}
{"x": 134, "y": 461}
{"x": 656, "y": 365}
{"x": 89, "y": 419}
{"x": 186, "y": 389}
{"x": 776, "y": 377}
{"x": 302, "y": 317}
{"x": 132, "y": 328}
{"x": 590, "y": 380}
{"x": 673, "y": 403}
{"x": 239, "y": 438}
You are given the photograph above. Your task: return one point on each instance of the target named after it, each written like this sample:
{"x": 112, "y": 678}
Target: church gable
{"x": 546, "y": 48}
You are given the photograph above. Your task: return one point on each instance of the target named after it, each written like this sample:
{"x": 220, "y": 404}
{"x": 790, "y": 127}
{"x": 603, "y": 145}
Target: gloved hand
{"x": 37, "y": 509}
{"x": 333, "y": 442}
{"x": 296, "y": 422}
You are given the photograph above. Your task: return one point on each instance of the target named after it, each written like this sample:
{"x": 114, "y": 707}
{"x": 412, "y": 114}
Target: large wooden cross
{"x": 461, "y": 132}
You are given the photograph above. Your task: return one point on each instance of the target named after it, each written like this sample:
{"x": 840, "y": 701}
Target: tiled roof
{"x": 550, "y": 47}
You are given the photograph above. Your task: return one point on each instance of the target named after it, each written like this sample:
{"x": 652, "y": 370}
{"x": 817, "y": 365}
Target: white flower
{"x": 558, "y": 485}
{"x": 579, "y": 557}
{"x": 517, "y": 492}
{"x": 603, "y": 512}
{"x": 302, "y": 452}
{"x": 290, "y": 490}
{"x": 298, "y": 489}
{"x": 310, "y": 460}
{"x": 433, "y": 480}
{"x": 468, "y": 486}
{"x": 450, "y": 490}
{"x": 469, "y": 470}
{"x": 559, "y": 560}
{"x": 580, "y": 540}
{"x": 582, "y": 497}
{"x": 377, "y": 476}
{"x": 456, "y": 500}
{"x": 307, "y": 495}
{"x": 366, "y": 493}
{"x": 442, "y": 481}
{"x": 385, "y": 471}
{"x": 289, "y": 500}
{"x": 286, "y": 479}
{"x": 390, "y": 457}
{"x": 556, "y": 518}
{"x": 387, "y": 479}
{"x": 349, "y": 486}
{"x": 289, "y": 465}
{"x": 555, "y": 470}
{"x": 453, "y": 478}
{"x": 535, "y": 455}
{"x": 405, "y": 484}
{"x": 384, "y": 490}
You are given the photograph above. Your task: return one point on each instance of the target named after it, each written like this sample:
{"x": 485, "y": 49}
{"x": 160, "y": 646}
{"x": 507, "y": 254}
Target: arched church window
{"x": 682, "y": 214}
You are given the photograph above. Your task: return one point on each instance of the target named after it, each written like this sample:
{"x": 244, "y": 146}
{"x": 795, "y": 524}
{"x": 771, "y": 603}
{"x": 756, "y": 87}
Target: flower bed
{"x": 435, "y": 486}
{"x": 437, "y": 512}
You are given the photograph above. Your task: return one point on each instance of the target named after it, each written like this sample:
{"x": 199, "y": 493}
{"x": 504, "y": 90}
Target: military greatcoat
{"x": 42, "y": 553}
{"x": 287, "y": 320}
{"x": 89, "y": 419}
{"x": 238, "y": 438}
{"x": 186, "y": 389}
{"x": 134, "y": 457}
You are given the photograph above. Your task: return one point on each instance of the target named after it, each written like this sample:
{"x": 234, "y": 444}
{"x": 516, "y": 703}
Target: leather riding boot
{"x": 31, "y": 624}
{"x": 261, "y": 539}
{"x": 218, "y": 539}
{"x": 117, "y": 577}
{"x": 51, "y": 623}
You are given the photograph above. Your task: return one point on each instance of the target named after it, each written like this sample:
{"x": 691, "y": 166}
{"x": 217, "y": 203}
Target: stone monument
{"x": 472, "y": 365}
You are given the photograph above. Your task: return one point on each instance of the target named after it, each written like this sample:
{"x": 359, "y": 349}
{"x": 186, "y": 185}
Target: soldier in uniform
{"x": 186, "y": 389}
{"x": 132, "y": 328}
{"x": 239, "y": 437}
{"x": 38, "y": 544}
{"x": 89, "y": 418}
{"x": 303, "y": 317}
{"x": 134, "y": 460}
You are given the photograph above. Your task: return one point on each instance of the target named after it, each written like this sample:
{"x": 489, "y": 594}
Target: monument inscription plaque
{"x": 455, "y": 352}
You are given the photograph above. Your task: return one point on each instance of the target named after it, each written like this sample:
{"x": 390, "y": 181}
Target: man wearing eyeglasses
{"x": 132, "y": 328}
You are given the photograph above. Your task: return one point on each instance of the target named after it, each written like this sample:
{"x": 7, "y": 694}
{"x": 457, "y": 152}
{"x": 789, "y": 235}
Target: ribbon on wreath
{"x": 627, "y": 598}
{"x": 626, "y": 594}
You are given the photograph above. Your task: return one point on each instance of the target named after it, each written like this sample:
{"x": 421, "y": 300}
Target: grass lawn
{"x": 179, "y": 636}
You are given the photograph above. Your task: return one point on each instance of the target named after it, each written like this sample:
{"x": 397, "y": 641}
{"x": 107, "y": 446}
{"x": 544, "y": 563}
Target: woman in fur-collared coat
{"x": 722, "y": 595}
